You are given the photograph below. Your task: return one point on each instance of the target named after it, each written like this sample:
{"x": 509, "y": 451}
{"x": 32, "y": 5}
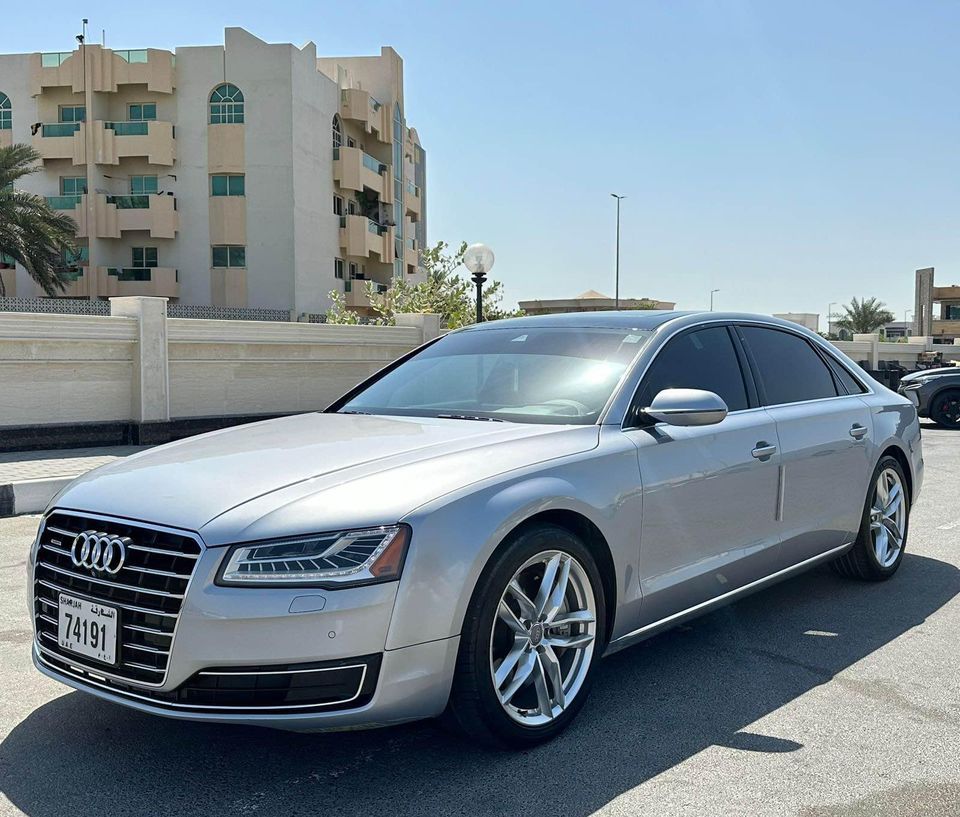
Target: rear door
{"x": 709, "y": 492}
{"x": 823, "y": 433}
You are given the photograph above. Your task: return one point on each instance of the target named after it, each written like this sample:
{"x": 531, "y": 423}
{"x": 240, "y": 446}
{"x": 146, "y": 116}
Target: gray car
{"x": 935, "y": 393}
{"x": 467, "y": 532}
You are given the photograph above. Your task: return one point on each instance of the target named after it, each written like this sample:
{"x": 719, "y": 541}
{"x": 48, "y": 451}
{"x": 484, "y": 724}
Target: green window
{"x": 73, "y": 185}
{"x": 6, "y": 112}
{"x": 228, "y": 185}
{"x": 143, "y": 185}
{"x": 77, "y": 257}
{"x": 226, "y": 105}
{"x": 142, "y": 111}
{"x": 144, "y": 257}
{"x": 73, "y": 113}
{"x": 229, "y": 256}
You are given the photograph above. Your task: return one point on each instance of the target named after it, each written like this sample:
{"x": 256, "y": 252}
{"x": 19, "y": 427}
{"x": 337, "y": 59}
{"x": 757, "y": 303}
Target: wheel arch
{"x": 901, "y": 457}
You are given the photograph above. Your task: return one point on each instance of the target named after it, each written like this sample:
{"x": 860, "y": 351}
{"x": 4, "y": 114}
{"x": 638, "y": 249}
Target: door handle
{"x": 764, "y": 450}
{"x": 858, "y": 432}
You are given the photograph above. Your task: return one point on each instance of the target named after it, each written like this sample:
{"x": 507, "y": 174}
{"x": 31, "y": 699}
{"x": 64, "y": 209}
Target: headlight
{"x": 913, "y": 384}
{"x": 332, "y": 560}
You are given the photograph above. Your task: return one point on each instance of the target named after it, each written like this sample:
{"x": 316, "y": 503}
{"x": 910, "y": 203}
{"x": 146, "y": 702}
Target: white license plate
{"x": 88, "y": 628}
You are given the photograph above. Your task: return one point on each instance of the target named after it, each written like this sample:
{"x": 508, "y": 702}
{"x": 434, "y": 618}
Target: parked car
{"x": 468, "y": 531}
{"x": 935, "y": 393}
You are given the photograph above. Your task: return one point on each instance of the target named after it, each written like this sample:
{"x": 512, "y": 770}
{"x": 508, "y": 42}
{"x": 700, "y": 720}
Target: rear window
{"x": 789, "y": 368}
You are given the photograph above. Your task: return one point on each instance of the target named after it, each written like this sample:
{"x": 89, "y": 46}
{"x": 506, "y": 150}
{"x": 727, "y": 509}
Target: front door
{"x": 710, "y": 493}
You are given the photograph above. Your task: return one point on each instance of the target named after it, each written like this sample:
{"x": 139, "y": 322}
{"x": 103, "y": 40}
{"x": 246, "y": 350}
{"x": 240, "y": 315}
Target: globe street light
{"x": 478, "y": 259}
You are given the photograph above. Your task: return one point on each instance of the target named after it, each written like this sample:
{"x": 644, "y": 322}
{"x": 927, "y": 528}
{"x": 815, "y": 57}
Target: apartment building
{"x": 244, "y": 175}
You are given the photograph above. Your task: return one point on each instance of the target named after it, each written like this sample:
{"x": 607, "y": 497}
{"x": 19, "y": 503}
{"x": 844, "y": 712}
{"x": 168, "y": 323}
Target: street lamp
{"x": 711, "y": 298}
{"x": 617, "y": 284}
{"x": 478, "y": 259}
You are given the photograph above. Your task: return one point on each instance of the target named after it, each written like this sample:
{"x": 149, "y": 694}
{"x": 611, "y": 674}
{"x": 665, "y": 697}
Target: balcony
{"x": 155, "y": 214}
{"x": 107, "y": 70}
{"x": 355, "y": 292}
{"x": 73, "y": 206}
{"x": 355, "y": 170}
{"x": 61, "y": 140}
{"x": 361, "y": 237}
{"x": 8, "y": 275}
{"x": 412, "y": 201}
{"x": 359, "y": 106}
{"x": 155, "y": 141}
{"x": 163, "y": 282}
{"x": 411, "y": 255}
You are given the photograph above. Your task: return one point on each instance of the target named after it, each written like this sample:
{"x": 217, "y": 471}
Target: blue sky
{"x": 790, "y": 154}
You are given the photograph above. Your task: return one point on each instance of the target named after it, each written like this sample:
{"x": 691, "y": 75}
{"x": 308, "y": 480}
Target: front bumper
{"x": 915, "y": 397}
{"x": 292, "y": 658}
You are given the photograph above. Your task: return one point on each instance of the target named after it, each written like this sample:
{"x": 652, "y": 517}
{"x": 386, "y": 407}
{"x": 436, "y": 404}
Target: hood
{"x": 364, "y": 463}
{"x": 955, "y": 370}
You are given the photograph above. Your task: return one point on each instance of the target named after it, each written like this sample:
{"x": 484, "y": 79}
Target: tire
{"x": 945, "y": 409}
{"x": 492, "y": 639}
{"x": 877, "y": 553}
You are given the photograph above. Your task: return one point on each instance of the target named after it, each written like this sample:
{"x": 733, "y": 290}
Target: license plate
{"x": 88, "y": 628}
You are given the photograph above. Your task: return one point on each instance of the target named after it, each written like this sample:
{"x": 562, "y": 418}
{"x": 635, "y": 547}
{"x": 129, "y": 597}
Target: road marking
{"x": 823, "y": 633}
{"x": 949, "y": 525}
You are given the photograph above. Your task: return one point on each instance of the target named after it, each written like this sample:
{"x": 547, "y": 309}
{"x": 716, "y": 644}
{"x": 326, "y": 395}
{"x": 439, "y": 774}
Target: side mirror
{"x": 687, "y": 407}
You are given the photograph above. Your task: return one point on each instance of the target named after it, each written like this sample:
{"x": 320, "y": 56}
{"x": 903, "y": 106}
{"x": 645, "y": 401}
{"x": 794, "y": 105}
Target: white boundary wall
{"x": 138, "y": 365}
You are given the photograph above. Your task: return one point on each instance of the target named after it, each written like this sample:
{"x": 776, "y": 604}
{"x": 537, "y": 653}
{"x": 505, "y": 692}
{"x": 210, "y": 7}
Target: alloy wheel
{"x": 543, "y": 637}
{"x": 887, "y": 517}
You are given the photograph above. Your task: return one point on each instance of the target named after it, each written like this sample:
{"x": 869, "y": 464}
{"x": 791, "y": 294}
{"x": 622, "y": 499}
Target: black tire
{"x": 474, "y": 708}
{"x": 945, "y": 408}
{"x": 861, "y": 561}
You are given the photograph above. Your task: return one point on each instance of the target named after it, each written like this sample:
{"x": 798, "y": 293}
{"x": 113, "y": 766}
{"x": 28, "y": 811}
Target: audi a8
{"x": 467, "y": 532}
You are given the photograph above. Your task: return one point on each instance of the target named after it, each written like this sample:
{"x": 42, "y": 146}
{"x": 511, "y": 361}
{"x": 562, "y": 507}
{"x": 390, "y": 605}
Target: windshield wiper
{"x": 469, "y": 417}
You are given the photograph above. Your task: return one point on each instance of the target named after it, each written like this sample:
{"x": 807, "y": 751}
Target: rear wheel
{"x": 878, "y": 551}
{"x": 531, "y": 638}
{"x": 945, "y": 409}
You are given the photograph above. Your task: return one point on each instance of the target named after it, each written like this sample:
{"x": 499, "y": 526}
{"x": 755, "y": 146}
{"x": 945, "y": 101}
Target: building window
{"x": 142, "y": 111}
{"x": 226, "y": 105}
{"x": 338, "y": 268}
{"x": 229, "y": 256}
{"x": 6, "y": 112}
{"x": 73, "y": 185}
{"x": 338, "y": 205}
{"x": 351, "y": 142}
{"x": 337, "y": 132}
{"x": 73, "y": 113}
{"x": 72, "y": 259}
{"x": 144, "y": 257}
{"x": 144, "y": 185}
{"x": 355, "y": 271}
{"x": 224, "y": 184}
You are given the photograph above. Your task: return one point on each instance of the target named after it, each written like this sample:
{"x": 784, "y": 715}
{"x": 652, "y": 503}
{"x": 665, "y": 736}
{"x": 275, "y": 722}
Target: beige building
{"x": 244, "y": 175}
{"x": 589, "y": 301}
{"x": 942, "y": 324}
{"x": 810, "y": 320}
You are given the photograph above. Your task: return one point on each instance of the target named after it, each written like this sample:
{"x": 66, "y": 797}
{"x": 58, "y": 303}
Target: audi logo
{"x": 99, "y": 551}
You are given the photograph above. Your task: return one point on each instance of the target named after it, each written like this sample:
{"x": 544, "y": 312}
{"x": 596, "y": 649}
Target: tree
{"x": 864, "y": 316}
{"x": 443, "y": 292}
{"x": 33, "y": 235}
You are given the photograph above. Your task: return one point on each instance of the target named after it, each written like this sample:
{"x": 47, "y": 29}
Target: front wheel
{"x": 531, "y": 637}
{"x": 878, "y": 551}
{"x": 945, "y": 409}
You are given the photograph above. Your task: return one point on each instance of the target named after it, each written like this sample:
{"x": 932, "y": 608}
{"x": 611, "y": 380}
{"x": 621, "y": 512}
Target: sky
{"x": 788, "y": 154}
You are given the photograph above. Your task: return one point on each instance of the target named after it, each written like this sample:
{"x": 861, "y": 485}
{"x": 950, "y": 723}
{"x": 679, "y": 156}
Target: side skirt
{"x": 655, "y": 627}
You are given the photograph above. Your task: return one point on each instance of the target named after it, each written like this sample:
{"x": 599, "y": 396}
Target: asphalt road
{"x": 820, "y": 697}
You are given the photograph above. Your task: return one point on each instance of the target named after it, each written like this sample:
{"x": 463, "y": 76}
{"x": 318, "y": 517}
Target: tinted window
{"x": 790, "y": 370}
{"x": 704, "y": 359}
{"x": 848, "y": 382}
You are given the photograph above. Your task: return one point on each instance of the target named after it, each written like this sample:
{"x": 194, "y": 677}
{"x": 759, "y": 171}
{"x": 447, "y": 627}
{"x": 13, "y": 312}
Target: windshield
{"x": 522, "y": 375}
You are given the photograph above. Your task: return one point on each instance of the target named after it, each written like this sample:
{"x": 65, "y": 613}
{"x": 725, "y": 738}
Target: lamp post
{"x": 478, "y": 259}
{"x": 616, "y": 293}
{"x": 830, "y": 317}
{"x": 711, "y": 298}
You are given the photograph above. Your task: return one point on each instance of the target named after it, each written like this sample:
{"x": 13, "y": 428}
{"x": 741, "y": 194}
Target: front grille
{"x": 148, "y": 591}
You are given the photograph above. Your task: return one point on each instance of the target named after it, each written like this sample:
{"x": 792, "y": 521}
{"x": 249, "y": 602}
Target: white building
{"x": 244, "y": 175}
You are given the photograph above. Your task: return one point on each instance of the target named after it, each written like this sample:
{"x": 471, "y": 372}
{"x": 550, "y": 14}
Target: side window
{"x": 847, "y": 381}
{"x": 790, "y": 370}
{"x": 704, "y": 359}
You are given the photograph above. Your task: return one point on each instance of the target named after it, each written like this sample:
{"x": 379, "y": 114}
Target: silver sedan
{"x": 467, "y": 532}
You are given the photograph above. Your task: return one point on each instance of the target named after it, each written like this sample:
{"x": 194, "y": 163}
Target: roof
{"x": 592, "y": 293}
{"x": 625, "y": 319}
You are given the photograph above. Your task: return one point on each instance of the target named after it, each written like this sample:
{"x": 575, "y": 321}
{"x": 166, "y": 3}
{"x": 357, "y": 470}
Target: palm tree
{"x": 31, "y": 233}
{"x": 864, "y": 316}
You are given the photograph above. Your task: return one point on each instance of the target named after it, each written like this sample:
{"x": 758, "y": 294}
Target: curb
{"x": 30, "y": 495}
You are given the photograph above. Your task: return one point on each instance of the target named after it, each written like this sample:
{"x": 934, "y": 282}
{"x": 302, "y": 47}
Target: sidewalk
{"x": 30, "y": 479}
